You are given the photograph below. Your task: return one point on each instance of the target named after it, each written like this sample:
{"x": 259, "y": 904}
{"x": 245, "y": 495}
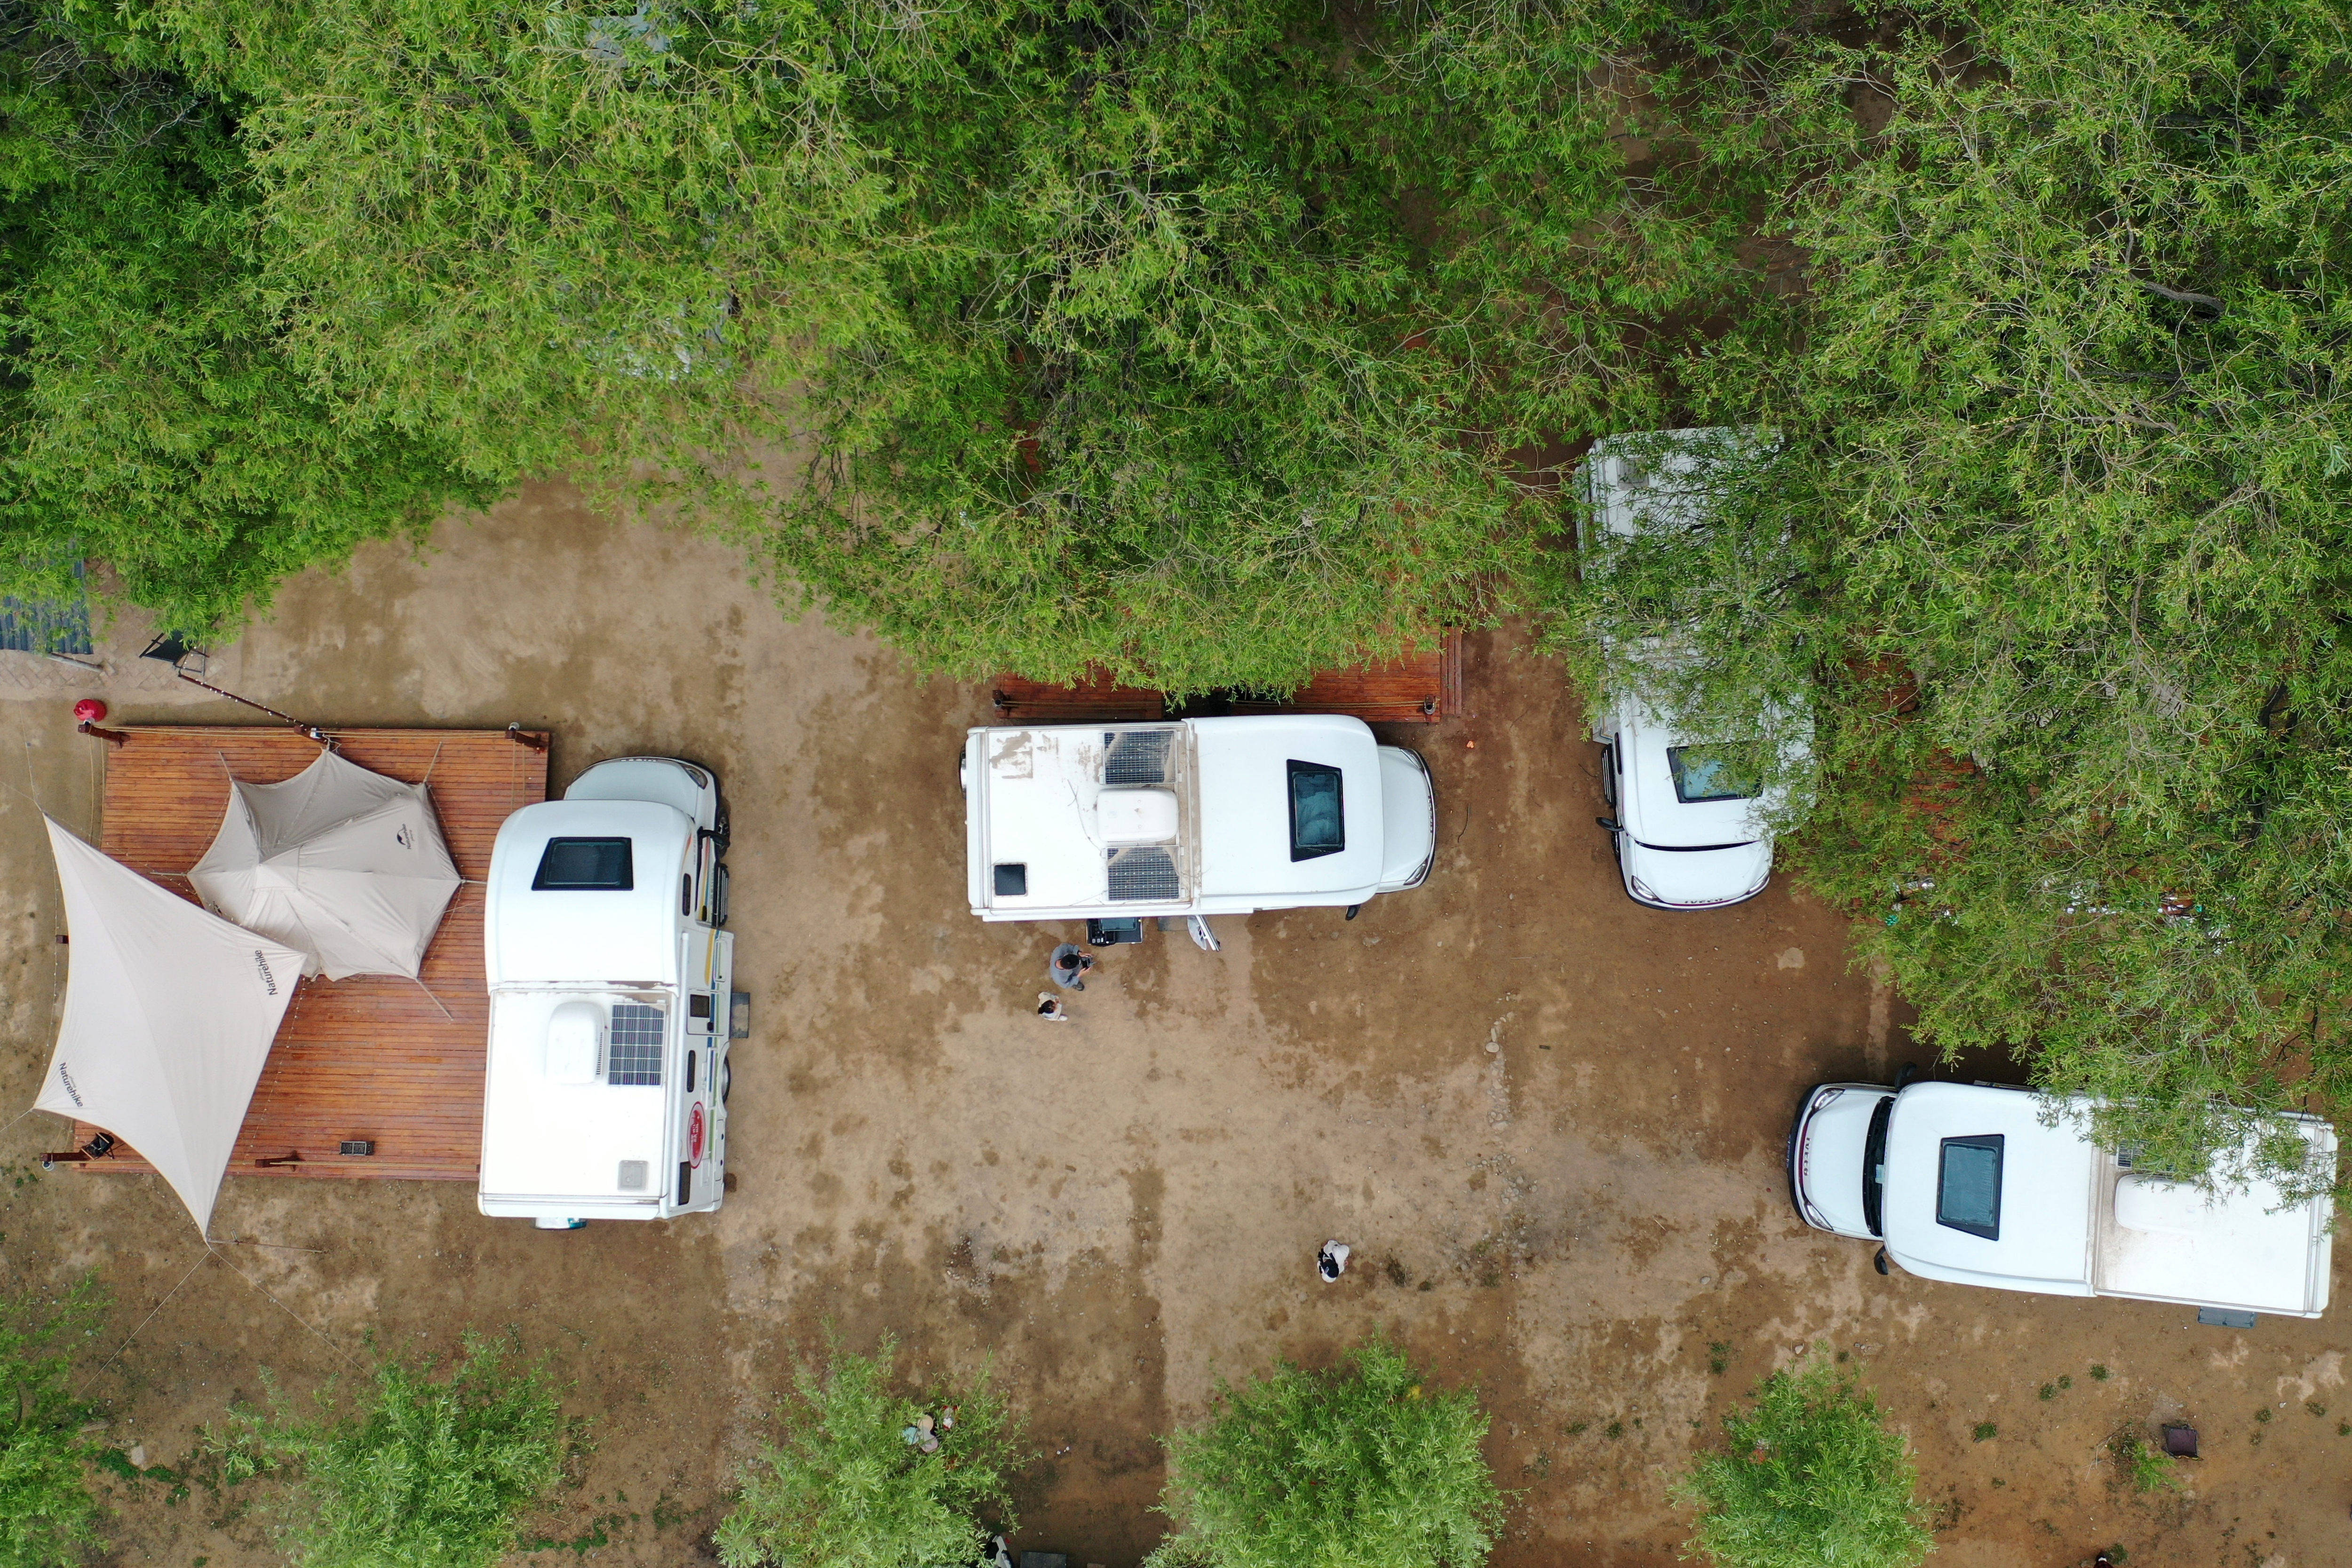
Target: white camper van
{"x": 610, "y": 1000}
{"x": 1691, "y": 814}
{"x": 1965, "y": 1183}
{"x": 1193, "y": 817}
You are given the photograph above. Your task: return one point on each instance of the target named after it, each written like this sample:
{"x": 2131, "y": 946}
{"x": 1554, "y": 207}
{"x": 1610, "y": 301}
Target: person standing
{"x": 1069, "y": 964}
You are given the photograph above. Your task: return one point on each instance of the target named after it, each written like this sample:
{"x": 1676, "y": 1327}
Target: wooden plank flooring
{"x": 375, "y": 1056}
{"x": 1421, "y": 688}
{"x": 1016, "y": 700}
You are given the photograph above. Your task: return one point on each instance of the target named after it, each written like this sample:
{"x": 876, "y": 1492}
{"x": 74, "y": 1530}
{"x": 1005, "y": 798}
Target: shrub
{"x": 2151, "y": 1468}
{"x": 1810, "y": 1479}
{"x": 844, "y": 1488}
{"x": 47, "y": 1517}
{"x": 420, "y": 1471}
{"x": 1360, "y": 1467}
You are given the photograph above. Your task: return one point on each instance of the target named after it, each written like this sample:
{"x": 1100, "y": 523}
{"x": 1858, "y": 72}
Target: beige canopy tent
{"x": 346, "y": 865}
{"x": 169, "y": 1015}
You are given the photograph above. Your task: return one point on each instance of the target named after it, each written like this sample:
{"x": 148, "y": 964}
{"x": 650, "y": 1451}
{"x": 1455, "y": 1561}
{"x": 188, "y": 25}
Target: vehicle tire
{"x": 727, "y": 1078}
{"x": 719, "y": 882}
{"x": 1878, "y": 1262}
{"x": 721, "y": 822}
{"x": 1608, "y": 774}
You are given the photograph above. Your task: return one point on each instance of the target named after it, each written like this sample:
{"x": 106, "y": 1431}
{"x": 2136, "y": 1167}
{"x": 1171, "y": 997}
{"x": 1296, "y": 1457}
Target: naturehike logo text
{"x": 66, "y": 1079}
{"x": 269, "y": 980}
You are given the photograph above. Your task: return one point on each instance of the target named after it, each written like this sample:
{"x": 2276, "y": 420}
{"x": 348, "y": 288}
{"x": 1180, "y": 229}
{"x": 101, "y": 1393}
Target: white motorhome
{"x": 611, "y": 1000}
{"x": 1691, "y": 817}
{"x": 1192, "y": 817}
{"x": 1966, "y": 1183}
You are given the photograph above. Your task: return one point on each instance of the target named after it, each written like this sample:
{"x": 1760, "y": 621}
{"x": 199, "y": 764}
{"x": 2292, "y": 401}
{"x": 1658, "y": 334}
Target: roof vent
{"x": 1136, "y": 816}
{"x": 575, "y": 1039}
{"x": 2161, "y": 1208}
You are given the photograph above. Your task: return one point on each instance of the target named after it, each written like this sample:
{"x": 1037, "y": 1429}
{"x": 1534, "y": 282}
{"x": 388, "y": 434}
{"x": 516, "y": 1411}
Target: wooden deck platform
{"x": 1421, "y": 688}
{"x": 1014, "y": 699}
{"x": 375, "y": 1057}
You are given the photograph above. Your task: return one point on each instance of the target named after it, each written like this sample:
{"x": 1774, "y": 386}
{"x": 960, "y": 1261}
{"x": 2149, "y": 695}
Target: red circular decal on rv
{"x": 694, "y": 1136}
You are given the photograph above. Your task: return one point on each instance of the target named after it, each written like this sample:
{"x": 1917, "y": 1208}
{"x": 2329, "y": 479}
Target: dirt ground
{"x": 1551, "y": 1122}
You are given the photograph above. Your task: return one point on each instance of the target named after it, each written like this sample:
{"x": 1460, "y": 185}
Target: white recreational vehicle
{"x": 1692, "y": 814}
{"x": 1966, "y": 1183}
{"x": 610, "y": 1000}
{"x": 1193, "y": 817}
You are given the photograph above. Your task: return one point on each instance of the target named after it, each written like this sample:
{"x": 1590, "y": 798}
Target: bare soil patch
{"x": 1549, "y": 1121}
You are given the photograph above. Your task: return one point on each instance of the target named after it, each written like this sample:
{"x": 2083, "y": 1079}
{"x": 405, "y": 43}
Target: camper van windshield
{"x": 1704, "y": 773}
{"x": 584, "y": 865}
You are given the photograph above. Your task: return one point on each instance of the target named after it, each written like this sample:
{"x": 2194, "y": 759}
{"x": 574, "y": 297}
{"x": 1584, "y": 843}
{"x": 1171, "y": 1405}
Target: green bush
{"x": 1810, "y": 1479}
{"x": 842, "y": 1488}
{"x": 418, "y": 1471}
{"x": 1363, "y": 1466}
{"x": 47, "y": 1517}
{"x": 2150, "y": 1467}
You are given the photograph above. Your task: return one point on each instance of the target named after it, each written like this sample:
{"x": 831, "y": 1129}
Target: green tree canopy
{"x": 1810, "y": 1478}
{"x": 2060, "y": 502}
{"x": 842, "y": 1487}
{"x": 1363, "y": 1466}
{"x": 418, "y": 1470}
{"x": 1217, "y": 344}
{"x": 150, "y": 416}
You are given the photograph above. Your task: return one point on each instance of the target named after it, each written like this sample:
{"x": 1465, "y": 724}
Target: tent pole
{"x": 312, "y": 730}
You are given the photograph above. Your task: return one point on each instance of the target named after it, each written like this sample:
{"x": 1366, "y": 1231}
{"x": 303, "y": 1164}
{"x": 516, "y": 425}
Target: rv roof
{"x": 1041, "y": 789}
{"x": 550, "y": 1131}
{"x": 2046, "y": 1178}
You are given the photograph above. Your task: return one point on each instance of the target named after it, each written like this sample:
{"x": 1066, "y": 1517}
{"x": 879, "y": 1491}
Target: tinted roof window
{"x": 1968, "y": 1186}
{"x": 1318, "y": 826}
{"x": 1712, "y": 773}
{"x": 584, "y": 865}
